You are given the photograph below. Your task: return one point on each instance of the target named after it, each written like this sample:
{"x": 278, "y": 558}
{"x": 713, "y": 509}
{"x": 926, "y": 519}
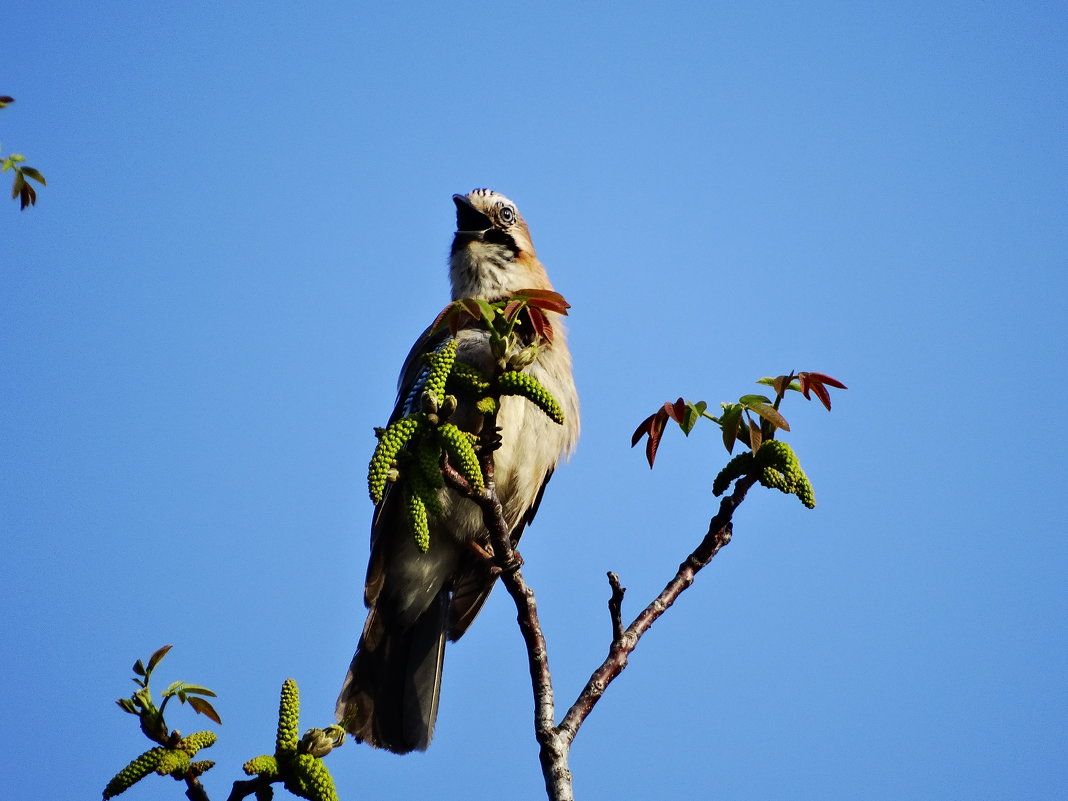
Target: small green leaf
{"x": 729, "y": 422}
{"x": 139, "y": 668}
{"x": 749, "y": 400}
{"x": 18, "y": 184}
{"x": 17, "y": 157}
{"x": 173, "y": 689}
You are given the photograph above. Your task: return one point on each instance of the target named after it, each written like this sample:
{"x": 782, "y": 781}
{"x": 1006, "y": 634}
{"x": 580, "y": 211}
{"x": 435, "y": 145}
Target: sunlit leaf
{"x": 769, "y": 413}
{"x": 747, "y": 400}
{"x": 173, "y": 689}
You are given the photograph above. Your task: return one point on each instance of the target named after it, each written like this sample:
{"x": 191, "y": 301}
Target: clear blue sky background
{"x": 247, "y": 223}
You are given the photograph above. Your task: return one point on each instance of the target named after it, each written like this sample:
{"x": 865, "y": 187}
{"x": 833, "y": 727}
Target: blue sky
{"x": 246, "y": 225}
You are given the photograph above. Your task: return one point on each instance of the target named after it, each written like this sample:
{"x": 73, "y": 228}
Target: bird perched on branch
{"x": 416, "y": 600}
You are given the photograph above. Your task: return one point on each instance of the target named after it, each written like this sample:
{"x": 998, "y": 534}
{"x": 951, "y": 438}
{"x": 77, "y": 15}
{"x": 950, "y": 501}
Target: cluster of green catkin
{"x": 177, "y": 762}
{"x": 411, "y": 448}
{"x": 302, "y": 774}
{"x": 776, "y": 465}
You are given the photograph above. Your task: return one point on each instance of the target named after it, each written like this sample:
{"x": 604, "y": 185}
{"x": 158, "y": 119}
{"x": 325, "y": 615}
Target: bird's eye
{"x": 507, "y": 215}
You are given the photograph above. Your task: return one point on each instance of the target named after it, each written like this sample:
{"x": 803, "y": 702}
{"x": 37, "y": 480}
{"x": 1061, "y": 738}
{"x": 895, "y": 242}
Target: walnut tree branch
{"x": 719, "y": 534}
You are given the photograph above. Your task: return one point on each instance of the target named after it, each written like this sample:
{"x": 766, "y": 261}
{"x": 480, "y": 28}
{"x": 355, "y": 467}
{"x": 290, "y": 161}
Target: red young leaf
{"x": 656, "y": 431}
{"x": 512, "y": 308}
{"x": 642, "y": 429}
{"x": 821, "y": 393}
{"x": 542, "y": 327}
{"x": 544, "y": 299}
{"x": 676, "y": 411}
{"x": 826, "y": 379}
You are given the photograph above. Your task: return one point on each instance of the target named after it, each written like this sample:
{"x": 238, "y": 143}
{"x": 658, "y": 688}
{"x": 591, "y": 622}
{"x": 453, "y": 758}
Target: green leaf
{"x": 30, "y": 172}
{"x": 729, "y": 422}
{"x": 18, "y": 184}
{"x": 769, "y": 413}
{"x": 17, "y": 157}
{"x": 749, "y": 400}
{"x": 174, "y": 688}
{"x": 139, "y": 668}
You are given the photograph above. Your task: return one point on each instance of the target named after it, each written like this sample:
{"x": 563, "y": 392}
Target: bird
{"x": 416, "y": 600}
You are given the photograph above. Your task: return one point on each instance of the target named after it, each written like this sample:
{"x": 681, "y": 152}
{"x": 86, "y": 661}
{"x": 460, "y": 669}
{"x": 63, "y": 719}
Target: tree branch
{"x": 719, "y": 534}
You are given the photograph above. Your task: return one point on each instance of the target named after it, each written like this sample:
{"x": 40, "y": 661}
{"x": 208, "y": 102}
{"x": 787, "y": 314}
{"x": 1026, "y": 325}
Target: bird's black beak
{"x": 469, "y": 220}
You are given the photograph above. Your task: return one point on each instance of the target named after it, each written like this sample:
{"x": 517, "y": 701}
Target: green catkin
{"x": 782, "y": 470}
{"x": 735, "y": 468}
{"x": 311, "y": 779}
{"x": 192, "y": 743}
{"x": 425, "y": 479}
{"x": 418, "y": 524}
{"x": 201, "y": 767}
{"x": 429, "y": 457}
{"x": 173, "y": 763}
{"x": 487, "y": 405}
{"x": 804, "y": 492}
{"x": 265, "y": 766}
{"x": 441, "y": 362}
{"x": 459, "y": 447}
{"x": 288, "y": 718}
{"x": 516, "y": 383}
{"x": 389, "y": 445}
{"x": 134, "y": 772}
{"x": 467, "y": 380}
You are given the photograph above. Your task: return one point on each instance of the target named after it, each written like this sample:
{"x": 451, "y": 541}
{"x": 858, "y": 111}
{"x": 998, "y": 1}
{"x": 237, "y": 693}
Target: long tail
{"x": 390, "y": 695}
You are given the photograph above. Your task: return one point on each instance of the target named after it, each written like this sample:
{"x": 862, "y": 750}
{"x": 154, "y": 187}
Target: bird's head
{"x": 492, "y": 253}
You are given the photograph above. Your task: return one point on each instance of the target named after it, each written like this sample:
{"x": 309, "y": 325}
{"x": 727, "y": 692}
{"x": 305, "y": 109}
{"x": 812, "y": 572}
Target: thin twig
{"x": 615, "y": 607}
{"x": 719, "y": 534}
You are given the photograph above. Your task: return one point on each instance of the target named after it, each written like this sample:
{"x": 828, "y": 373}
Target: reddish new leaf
{"x": 676, "y": 411}
{"x": 542, "y": 327}
{"x": 755, "y": 437}
{"x": 204, "y": 708}
{"x": 653, "y": 427}
{"x": 545, "y": 299}
{"x": 512, "y": 308}
{"x": 816, "y": 383}
{"x": 823, "y": 378}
